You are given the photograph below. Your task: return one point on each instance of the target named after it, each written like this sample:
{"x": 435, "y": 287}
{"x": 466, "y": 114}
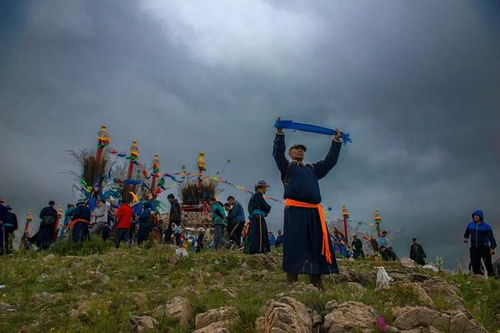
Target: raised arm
{"x": 279, "y": 152}
{"x": 322, "y": 168}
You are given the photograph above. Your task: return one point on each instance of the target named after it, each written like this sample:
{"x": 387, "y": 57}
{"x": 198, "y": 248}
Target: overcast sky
{"x": 416, "y": 83}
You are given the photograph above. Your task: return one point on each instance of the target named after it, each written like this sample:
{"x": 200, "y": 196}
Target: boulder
{"x": 410, "y": 317}
{"x": 461, "y": 322}
{"x": 224, "y": 316}
{"x": 417, "y": 288}
{"x": 178, "y": 308}
{"x": 408, "y": 263}
{"x": 5, "y": 307}
{"x": 139, "y": 299}
{"x": 357, "y": 287}
{"x": 422, "y": 319}
{"x": 440, "y": 287}
{"x": 142, "y": 324}
{"x": 287, "y": 315}
{"x": 349, "y": 316}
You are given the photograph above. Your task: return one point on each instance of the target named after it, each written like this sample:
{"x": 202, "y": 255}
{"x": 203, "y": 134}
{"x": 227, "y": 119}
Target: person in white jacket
{"x": 99, "y": 218}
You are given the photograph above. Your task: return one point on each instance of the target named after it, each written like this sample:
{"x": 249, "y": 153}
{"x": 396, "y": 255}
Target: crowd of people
{"x": 308, "y": 246}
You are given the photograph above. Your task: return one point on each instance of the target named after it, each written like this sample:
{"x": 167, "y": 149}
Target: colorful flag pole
{"x": 133, "y": 156}
{"x": 377, "y": 220}
{"x": 345, "y": 215}
{"x": 103, "y": 139}
{"x": 201, "y": 167}
{"x": 156, "y": 172}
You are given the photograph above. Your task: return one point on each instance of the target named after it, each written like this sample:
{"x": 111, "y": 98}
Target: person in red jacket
{"x": 123, "y": 218}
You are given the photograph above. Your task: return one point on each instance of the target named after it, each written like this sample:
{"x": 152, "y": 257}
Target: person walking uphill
{"x": 45, "y": 234}
{"x": 482, "y": 245}
{"x": 218, "y": 222}
{"x": 123, "y": 218}
{"x": 307, "y": 248}
{"x": 80, "y": 222}
{"x": 258, "y": 208}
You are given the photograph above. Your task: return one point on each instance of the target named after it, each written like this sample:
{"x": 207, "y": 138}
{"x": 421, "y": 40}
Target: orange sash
{"x": 72, "y": 224}
{"x": 325, "y": 248}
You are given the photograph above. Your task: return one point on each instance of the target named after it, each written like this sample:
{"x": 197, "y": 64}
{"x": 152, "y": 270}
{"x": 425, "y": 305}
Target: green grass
{"x": 66, "y": 289}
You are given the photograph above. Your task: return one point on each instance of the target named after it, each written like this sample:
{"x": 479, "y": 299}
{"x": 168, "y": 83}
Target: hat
{"x": 298, "y": 146}
{"x": 262, "y": 183}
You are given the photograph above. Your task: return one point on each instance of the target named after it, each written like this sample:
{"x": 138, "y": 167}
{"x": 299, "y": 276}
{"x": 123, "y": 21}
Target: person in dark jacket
{"x": 357, "y": 248}
{"x": 417, "y": 253}
{"x": 237, "y": 216}
{"x": 174, "y": 219}
{"x": 146, "y": 219}
{"x": 45, "y": 234}
{"x": 80, "y": 221}
{"x": 482, "y": 244}
{"x": 307, "y": 248}
{"x": 6, "y": 233}
{"x": 258, "y": 208}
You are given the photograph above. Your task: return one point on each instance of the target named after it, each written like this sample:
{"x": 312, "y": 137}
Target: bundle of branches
{"x": 194, "y": 193}
{"x": 92, "y": 171}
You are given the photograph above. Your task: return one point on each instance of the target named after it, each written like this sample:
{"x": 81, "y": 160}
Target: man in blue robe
{"x": 307, "y": 248}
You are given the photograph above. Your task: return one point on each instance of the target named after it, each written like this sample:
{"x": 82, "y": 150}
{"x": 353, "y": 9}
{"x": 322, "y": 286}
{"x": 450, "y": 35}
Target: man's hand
{"x": 492, "y": 252}
{"x": 338, "y": 135}
{"x": 279, "y": 130}
{"x": 466, "y": 240}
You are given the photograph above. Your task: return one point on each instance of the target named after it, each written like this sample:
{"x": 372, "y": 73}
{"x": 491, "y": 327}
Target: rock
{"x": 48, "y": 257}
{"x": 460, "y": 322}
{"x": 229, "y": 292}
{"x": 434, "y": 286}
{"x": 357, "y": 287}
{"x": 143, "y": 323}
{"x": 422, "y": 319}
{"x": 301, "y": 287}
{"x": 5, "y": 307}
{"x": 42, "y": 277}
{"x": 174, "y": 260}
{"x": 101, "y": 277}
{"x": 364, "y": 279}
{"x": 287, "y": 315}
{"x": 417, "y": 277}
{"x": 422, "y": 294}
{"x": 227, "y": 315}
{"x": 410, "y": 317}
{"x": 178, "y": 308}
{"x": 217, "y": 327}
{"x": 140, "y": 299}
{"x": 408, "y": 263}
{"x": 331, "y": 305}
{"x": 349, "y": 316}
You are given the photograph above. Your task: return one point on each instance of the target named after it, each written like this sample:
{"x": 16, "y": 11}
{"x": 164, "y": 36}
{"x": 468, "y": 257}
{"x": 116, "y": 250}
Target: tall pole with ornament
{"x": 201, "y": 167}
{"x": 133, "y": 156}
{"x": 378, "y": 220}
{"x": 29, "y": 218}
{"x": 345, "y": 216}
{"x": 156, "y": 172}
{"x": 103, "y": 139}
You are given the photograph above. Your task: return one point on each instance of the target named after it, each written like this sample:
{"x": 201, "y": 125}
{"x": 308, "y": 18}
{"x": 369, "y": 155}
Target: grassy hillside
{"x": 95, "y": 288}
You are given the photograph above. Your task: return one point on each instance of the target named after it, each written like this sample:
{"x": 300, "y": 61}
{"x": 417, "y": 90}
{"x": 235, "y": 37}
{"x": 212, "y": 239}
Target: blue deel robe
{"x": 258, "y": 240}
{"x": 302, "y": 226}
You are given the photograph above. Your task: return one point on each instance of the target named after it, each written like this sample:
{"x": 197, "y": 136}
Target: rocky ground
{"x": 96, "y": 288}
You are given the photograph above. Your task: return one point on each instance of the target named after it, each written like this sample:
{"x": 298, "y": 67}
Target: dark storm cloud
{"x": 416, "y": 83}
